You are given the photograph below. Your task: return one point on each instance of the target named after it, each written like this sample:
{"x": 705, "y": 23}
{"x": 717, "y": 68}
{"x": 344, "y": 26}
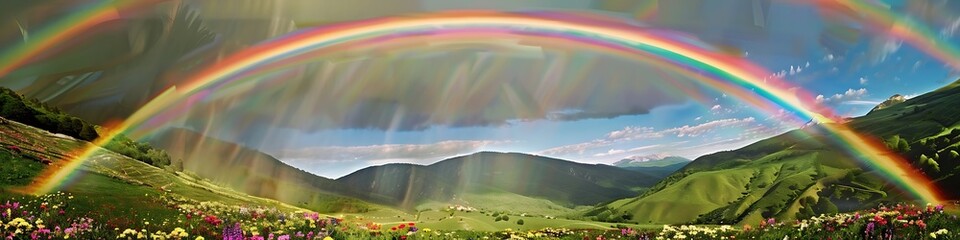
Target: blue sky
{"x": 793, "y": 41}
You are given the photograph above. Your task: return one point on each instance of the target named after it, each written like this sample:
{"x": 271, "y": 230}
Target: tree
{"x": 520, "y": 222}
{"x": 88, "y": 133}
{"x": 14, "y": 109}
{"x": 903, "y": 146}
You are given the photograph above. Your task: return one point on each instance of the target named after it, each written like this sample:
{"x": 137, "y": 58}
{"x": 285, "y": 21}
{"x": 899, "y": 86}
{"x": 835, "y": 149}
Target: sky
{"x": 427, "y": 101}
{"x": 618, "y": 109}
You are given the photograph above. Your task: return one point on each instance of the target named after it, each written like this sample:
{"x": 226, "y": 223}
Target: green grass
{"x": 504, "y": 202}
{"x": 114, "y": 187}
{"x": 750, "y": 187}
{"x": 17, "y": 171}
{"x": 477, "y": 221}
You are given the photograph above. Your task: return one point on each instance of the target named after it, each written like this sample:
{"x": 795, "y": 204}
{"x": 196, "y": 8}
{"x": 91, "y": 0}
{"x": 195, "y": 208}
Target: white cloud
{"x": 387, "y": 151}
{"x": 631, "y": 133}
{"x": 697, "y": 130}
{"x": 951, "y": 28}
{"x": 884, "y": 47}
{"x": 828, "y": 58}
{"x": 715, "y": 107}
{"x": 640, "y": 149}
{"x": 863, "y": 81}
{"x": 610, "y": 152}
{"x": 578, "y": 148}
{"x": 849, "y": 95}
{"x": 861, "y": 102}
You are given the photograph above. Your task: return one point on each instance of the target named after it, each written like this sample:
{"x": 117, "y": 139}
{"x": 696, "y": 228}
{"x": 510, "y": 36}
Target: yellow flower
{"x": 328, "y": 238}
{"x": 199, "y": 238}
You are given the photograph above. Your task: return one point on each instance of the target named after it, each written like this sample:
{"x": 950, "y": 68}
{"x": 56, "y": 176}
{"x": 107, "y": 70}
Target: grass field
{"x": 115, "y": 188}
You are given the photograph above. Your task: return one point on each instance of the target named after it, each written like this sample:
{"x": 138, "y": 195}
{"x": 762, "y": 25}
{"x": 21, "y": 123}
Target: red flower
{"x": 411, "y": 224}
{"x": 402, "y": 226}
{"x": 393, "y": 228}
{"x": 211, "y": 219}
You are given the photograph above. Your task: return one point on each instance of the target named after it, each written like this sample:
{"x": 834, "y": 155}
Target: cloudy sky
{"x": 443, "y": 99}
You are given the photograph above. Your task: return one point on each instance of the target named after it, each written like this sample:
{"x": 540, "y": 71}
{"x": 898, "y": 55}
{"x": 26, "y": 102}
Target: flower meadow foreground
{"x": 63, "y": 216}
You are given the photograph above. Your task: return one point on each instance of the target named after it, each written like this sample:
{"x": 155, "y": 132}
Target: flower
{"x": 233, "y": 233}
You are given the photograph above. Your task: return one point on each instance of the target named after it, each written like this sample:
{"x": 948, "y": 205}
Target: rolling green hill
{"x": 507, "y": 178}
{"x": 798, "y": 174}
{"x": 106, "y": 178}
{"x": 252, "y": 172}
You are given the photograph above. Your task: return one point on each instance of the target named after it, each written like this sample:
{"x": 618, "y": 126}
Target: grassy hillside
{"x": 797, "y": 175}
{"x": 513, "y": 177}
{"x": 16, "y": 107}
{"x": 105, "y": 175}
{"x": 253, "y": 172}
{"x": 121, "y": 192}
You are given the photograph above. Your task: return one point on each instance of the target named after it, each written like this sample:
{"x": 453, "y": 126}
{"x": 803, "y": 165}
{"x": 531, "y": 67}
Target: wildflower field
{"x": 166, "y": 216}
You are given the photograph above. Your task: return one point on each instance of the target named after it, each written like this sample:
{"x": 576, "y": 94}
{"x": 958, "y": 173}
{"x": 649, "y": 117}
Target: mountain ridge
{"x": 414, "y": 184}
{"x": 653, "y": 160}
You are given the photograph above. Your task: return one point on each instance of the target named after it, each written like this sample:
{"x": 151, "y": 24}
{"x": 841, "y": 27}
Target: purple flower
{"x": 870, "y": 227}
{"x": 233, "y": 232}
{"x": 284, "y": 237}
{"x": 771, "y": 221}
{"x": 413, "y": 229}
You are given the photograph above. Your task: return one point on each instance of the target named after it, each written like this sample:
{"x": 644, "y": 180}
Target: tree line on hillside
{"x": 937, "y": 157}
{"x": 32, "y": 112}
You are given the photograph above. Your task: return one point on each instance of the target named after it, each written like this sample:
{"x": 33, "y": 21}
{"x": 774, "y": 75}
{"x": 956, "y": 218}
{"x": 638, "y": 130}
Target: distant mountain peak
{"x": 895, "y": 99}
{"x": 636, "y": 160}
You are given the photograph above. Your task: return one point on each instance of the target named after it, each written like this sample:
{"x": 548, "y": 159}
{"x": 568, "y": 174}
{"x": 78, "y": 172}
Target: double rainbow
{"x": 733, "y": 75}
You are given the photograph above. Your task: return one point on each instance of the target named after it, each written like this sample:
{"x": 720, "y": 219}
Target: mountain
{"x": 801, "y": 173}
{"x": 253, "y": 172}
{"x": 896, "y": 98}
{"x": 655, "y": 160}
{"x": 510, "y": 175}
{"x": 658, "y": 165}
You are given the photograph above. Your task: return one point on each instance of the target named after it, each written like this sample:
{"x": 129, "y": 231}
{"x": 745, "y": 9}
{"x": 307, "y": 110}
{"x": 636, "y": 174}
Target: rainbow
{"x": 884, "y": 21}
{"x": 75, "y": 24}
{"x": 730, "y": 74}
